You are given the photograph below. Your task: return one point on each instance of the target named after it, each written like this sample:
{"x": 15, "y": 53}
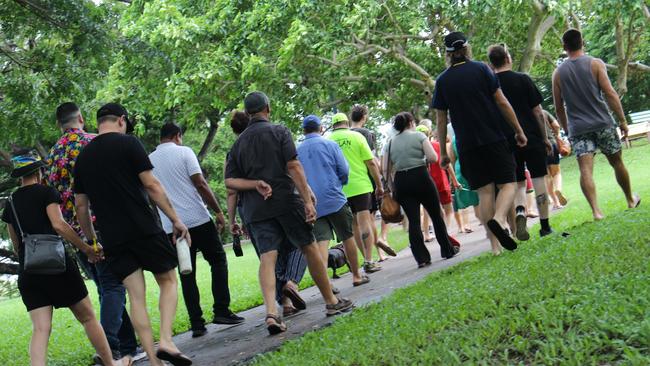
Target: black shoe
{"x": 502, "y": 235}
{"x": 227, "y": 318}
{"x": 543, "y": 233}
{"x": 199, "y": 332}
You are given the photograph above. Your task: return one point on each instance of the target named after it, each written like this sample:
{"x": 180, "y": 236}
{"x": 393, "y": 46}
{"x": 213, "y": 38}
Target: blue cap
{"x": 311, "y": 121}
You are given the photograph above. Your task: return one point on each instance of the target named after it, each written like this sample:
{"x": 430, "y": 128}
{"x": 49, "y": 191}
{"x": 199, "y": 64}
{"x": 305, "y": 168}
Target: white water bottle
{"x": 183, "y": 252}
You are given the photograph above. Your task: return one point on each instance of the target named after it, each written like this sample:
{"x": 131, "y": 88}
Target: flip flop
{"x": 386, "y": 248}
{"x": 295, "y": 298}
{"x": 176, "y": 359}
{"x": 561, "y": 198}
{"x": 468, "y": 231}
{"x": 502, "y": 235}
{"x": 364, "y": 280}
{"x": 277, "y": 327}
{"x": 637, "y": 198}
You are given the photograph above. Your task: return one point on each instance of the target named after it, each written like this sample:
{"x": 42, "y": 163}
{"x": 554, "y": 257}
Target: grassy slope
{"x": 580, "y": 300}
{"x": 69, "y": 346}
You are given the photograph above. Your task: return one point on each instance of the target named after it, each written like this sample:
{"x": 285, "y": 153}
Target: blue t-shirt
{"x": 467, "y": 90}
{"x": 326, "y": 170}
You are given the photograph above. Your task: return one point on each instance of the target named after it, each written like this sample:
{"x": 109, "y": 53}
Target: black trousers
{"x": 413, "y": 188}
{"x": 205, "y": 239}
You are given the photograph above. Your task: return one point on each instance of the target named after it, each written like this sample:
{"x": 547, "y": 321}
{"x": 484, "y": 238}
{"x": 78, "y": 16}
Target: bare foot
{"x": 598, "y": 216}
{"x": 636, "y": 201}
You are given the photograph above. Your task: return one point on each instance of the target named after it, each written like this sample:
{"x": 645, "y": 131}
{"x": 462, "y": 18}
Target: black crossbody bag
{"x": 44, "y": 253}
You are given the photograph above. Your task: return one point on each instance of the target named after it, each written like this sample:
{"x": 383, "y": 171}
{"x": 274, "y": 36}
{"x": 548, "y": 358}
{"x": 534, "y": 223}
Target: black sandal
{"x": 364, "y": 280}
{"x": 176, "y": 359}
{"x": 276, "y": 328}
{"x": 502, "y": 235}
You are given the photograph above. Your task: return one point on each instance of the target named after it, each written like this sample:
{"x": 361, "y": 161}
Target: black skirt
{"x": 60, "y": 290}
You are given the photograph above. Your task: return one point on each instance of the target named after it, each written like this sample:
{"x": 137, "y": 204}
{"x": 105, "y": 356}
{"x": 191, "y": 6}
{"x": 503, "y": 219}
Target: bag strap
{"x": 389, "y": 168}
{"x": 13, "y": 208}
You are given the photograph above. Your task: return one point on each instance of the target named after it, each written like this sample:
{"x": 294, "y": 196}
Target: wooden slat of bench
{"x": 640, "y": 117}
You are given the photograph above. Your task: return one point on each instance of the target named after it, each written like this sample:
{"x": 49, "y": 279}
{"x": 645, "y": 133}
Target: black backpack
{"x": 336, "y": 259}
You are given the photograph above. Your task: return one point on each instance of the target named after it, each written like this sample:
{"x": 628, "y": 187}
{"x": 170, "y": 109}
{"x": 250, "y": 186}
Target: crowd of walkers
{"x": 123, "y": 209}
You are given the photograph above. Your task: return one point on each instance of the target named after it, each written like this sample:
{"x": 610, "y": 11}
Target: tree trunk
{"x": 212, "y": 132}
{"x": 621, "y": 59}
{"x": 8, "y": 268}
{"x": 539, "y": 25}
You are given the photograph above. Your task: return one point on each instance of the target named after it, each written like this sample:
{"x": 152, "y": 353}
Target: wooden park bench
{"x": 638, "y": 128}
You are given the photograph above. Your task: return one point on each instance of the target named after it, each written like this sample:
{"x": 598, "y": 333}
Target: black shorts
{"x": 340, "y": 222}
{"x": 554, "y": 159}
{"x": 532, "y": 158}
{"x": 154, "y": 253}
{"x": 273, "y": 233}
{"x": 362, "y": 202}
{"x": 60, "y": 290}
{"x": 493, "y": 163}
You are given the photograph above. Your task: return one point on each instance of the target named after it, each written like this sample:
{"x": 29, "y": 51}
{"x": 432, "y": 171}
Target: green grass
{"x": 582, "y": 300}
{"x": 68, "y": 344}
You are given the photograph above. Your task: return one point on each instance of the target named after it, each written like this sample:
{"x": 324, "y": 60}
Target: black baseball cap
{"x": 455, "y": 41}
{"x": 117, "y": 110}
{"x": 255, "y": 102}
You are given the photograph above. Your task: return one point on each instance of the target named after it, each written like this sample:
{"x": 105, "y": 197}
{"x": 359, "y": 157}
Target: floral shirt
{"x": 60, "y": 162}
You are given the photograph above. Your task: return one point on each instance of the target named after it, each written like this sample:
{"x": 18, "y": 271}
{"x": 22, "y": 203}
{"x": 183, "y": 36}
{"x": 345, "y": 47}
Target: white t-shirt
{"x": 173, "y": 166}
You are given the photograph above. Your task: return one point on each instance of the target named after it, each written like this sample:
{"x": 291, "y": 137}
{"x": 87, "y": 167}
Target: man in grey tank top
{"x": 582, "y": 93}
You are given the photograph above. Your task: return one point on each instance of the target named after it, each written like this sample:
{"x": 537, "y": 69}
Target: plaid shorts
{"x": 606, "y": 140}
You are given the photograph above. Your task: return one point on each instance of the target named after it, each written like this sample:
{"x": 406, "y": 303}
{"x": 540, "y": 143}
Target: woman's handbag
{"x": 390, "y": 209}
{"x": 562, "y": 146}
{"x": 44, "y": 253}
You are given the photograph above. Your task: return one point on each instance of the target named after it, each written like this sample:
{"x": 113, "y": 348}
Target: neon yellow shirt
{"x": 357, "y": 152}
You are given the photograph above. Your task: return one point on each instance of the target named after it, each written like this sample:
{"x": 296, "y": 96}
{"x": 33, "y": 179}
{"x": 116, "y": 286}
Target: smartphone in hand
{"x": 236, "y": 246}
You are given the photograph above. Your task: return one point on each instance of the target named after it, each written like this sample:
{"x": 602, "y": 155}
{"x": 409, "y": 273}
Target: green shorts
{"x": 339, "y": 222}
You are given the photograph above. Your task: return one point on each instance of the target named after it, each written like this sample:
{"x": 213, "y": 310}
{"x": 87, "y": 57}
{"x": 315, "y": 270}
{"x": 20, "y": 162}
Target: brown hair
{"x": 239, "y": 121}
{"x": 572, "y": 40}
{"x": 498, "y": 55}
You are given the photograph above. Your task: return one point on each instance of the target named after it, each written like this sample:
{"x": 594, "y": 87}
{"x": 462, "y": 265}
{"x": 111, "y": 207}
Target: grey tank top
{"x": 585, "y": 106}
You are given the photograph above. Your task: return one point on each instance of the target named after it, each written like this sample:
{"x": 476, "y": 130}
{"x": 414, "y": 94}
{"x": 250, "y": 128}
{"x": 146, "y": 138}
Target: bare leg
{"x": 541, "y": 197}
{"x": 486, "y": 212}
{"x": 358, "y": 236}
{"x": 458, "y": 215}
{"x": 622, "y": 177}
{"x": 447, "y": 212}
{"x": 504, "y": 201}
{"x": 586, "y": 163}
{"x": 167, "y": 302}
{"x": 135, "y": 287}
{"x": 384, "y": 231}
{"x": 323, "y": 249}
{"x": 318, "y": 272}
{"x": 365, "y": 227}
{"x": 551, "y": 190}
{"x": 353, "y": 258}
{"x": 41, "y": 330}
{"x": 267, "y": 280}
{"x": 425, "y": 226}
{"x": 83, "y": 311}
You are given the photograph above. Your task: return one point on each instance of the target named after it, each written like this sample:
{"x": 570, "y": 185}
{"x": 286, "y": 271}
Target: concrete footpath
{"x": 231, "y": 345}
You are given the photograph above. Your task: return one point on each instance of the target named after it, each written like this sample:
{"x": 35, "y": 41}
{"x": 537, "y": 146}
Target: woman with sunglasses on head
{"x": 31, "y": 210}
{"x": 410, "y": 152}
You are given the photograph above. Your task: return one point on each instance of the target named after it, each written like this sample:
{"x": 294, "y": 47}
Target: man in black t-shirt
{"x": 470, "y": 92}
{"x": 525, "y": 98}
{"x": 264, "y": 169}
{"x": 114, "y": 174}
